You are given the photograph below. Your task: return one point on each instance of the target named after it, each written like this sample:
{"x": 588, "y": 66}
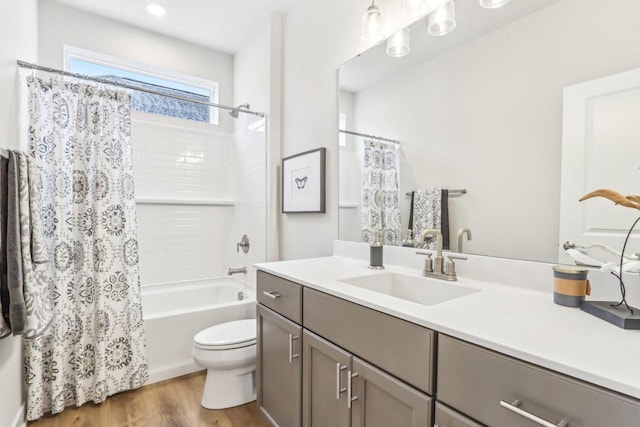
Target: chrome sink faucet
{"x": 436, "y": 268}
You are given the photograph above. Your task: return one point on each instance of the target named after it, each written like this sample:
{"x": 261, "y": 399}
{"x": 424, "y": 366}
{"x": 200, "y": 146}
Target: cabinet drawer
{"x": 447, "y": 417}
{"x": 475, "y": 381}
{"x": 400, "y": 348}
{"x": 280, "y": 295}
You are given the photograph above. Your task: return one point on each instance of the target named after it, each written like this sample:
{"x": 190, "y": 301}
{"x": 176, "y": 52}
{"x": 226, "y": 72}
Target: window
{"x": 121, "y": 71}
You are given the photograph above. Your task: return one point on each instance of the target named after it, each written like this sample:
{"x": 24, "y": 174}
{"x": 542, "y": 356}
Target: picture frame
{"x": 303, "y": 182}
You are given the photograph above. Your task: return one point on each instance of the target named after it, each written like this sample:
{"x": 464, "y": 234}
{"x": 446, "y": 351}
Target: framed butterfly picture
{"x": 303, "y": 182}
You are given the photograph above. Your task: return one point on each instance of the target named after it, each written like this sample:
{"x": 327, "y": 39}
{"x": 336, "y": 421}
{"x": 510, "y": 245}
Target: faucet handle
{"x": 428, "y": 263}
{"x": 451, "y": 265}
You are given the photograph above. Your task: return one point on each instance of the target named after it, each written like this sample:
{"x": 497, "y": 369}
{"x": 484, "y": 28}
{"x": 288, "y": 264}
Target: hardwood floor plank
{"x": 172, "y": 403}
{"x": 246, "y": 415}
{"x": 88, "y": 415}
{"x": 130, "y": 409}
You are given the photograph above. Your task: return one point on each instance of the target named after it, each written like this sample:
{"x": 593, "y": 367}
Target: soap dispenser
{"x": 375, "y": 252}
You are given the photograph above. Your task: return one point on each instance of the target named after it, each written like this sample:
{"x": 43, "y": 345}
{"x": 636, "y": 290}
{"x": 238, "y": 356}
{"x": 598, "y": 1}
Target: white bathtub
{"x": 174, "y": 313}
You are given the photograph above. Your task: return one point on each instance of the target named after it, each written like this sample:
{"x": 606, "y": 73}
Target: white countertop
{"x": 522, "y": 323}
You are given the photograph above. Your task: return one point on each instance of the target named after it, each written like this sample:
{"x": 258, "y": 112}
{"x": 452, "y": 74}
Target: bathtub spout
{"x": 233, "y": 271}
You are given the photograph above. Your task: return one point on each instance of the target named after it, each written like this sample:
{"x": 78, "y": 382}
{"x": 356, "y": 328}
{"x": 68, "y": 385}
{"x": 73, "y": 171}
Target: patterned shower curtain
{"x": 80, "y": 136}
{"x": 380, "y": 192}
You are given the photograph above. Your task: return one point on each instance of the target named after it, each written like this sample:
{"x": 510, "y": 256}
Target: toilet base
{"x": 225, "y": 389}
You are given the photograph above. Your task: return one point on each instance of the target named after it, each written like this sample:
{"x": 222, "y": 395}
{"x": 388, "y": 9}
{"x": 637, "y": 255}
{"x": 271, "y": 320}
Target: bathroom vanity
{"x": 335, "y": 353}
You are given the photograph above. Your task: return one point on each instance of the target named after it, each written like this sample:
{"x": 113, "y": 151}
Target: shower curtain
{"x": 380, "y": 192}
{"x": 80, "y": 136}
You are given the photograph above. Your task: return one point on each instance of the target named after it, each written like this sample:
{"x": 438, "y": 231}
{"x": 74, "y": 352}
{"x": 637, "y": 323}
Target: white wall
{"x": 18, "y": 40}
{"x": 318, "y": 37}
{"x": 257, "y": 80}
{"x": 60, "y": 25}
{"x": 487, "y": 116}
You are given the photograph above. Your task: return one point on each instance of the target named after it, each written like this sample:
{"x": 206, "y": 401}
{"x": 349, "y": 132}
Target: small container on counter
{"x": 570, "y": 285}
{"x": 376, "y": 252}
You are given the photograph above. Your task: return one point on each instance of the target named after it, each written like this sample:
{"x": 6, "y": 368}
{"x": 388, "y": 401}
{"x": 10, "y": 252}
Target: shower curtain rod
{"x": 133, "y": 87}
{"x": 379, "y": 138}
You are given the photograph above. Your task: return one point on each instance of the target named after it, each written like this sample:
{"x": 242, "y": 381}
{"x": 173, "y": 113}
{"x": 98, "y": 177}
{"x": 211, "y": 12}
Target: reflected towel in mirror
{"x": 431, "y": 210}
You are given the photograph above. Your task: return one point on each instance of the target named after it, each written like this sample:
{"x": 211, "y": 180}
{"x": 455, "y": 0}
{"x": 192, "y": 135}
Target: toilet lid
{"x": 238, "y": 333}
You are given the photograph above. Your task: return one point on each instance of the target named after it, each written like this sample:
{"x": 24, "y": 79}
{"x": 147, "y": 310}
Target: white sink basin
{"x": 421, "y": 290}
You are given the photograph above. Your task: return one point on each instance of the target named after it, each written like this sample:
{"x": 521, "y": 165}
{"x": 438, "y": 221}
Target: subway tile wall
{"x": 193, "y": 162}
{"x": 249, "y": 187}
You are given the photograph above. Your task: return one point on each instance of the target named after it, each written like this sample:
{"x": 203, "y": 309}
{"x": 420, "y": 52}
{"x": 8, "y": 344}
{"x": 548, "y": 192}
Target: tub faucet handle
{"x": 243, "y": 244}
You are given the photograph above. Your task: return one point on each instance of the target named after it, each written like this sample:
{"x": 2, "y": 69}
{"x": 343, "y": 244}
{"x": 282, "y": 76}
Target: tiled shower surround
{"x": 220, "y": 177}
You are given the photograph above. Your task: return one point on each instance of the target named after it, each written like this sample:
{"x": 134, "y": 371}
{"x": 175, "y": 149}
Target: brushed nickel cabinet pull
{"x": 339, "y": 390}
{"x": 350, "y": 396}
{"x": 291, "y": 355}
{"x": 271, "y": 294}
{"x": 515, "y": 408}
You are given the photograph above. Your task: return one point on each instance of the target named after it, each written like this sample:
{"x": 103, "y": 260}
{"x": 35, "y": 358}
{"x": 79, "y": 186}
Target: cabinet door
{"x": 379, "y": 400}
{"x": 324, "y": 383}
{"x": 279, "y": 368}
{"x": 447, "y": 417}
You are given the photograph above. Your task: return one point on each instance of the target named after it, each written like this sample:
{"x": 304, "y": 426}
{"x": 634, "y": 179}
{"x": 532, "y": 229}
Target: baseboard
{"x": 173, "y": 372}
{"x": 19, "y": 420}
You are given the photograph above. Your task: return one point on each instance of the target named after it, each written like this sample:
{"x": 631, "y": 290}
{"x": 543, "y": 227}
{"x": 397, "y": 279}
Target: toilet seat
{"x": 227, "y": 336}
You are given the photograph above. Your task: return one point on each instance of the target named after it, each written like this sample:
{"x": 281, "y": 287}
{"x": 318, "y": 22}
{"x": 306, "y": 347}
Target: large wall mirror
{"x": 481, "y": 110}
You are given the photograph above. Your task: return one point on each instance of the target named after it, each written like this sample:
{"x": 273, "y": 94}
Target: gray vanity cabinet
{"x": 377, "y": 398}
{"x": 385, "y": 364}
{"x": 279, "y": 368}
{"x": 381, "y": 400}
{"x": 498, "y": 390}
{"x": 447, "y": 417}
{"x": 324, "y": 383}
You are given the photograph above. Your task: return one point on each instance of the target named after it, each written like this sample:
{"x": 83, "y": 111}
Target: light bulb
{"x": 371, "y": 31}
{"x": 442, "y": 20}
{"x": 398, "y": 43}
{"x": 493, "y": 4}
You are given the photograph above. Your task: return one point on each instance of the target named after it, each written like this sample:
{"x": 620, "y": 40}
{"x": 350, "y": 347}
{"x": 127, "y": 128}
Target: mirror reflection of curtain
{"x": 380, "y": 192}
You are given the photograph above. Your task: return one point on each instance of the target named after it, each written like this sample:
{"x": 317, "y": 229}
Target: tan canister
{"x": 570, "y": 285}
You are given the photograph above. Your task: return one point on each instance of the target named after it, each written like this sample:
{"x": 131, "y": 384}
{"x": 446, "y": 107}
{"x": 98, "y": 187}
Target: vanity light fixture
{"x": 415, "y": 9}
{"x": 493, "y": 4}
{"x": 442, "y": 20}
{"x": 156, "y": 10}
{"x": 371, "y": 31}
{"x": 398, "y": 43}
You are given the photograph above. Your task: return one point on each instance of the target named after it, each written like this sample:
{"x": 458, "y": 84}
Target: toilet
{"x": 228, "y": 351}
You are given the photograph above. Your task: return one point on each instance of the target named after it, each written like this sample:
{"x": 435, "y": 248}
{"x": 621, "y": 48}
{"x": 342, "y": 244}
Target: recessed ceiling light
{"x": 156, "y": 10}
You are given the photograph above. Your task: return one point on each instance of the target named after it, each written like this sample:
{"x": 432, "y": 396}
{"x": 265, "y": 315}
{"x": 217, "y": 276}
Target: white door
{"x": 600, "y": 149}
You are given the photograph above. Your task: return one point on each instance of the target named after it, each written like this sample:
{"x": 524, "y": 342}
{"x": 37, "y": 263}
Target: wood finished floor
{"x": 172, "y": 403}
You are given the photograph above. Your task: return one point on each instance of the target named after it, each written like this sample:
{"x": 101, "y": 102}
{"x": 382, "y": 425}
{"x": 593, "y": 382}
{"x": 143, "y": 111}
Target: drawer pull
{"x": 271, "y": 294}
{"x": 350, "y": 396}
{"x": 515, "y": 408}
{"x": 339, "y": 390}
{"x": 291, "y": 355}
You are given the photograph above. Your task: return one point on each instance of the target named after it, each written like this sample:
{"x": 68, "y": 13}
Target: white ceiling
{"x": 219, "y": 24}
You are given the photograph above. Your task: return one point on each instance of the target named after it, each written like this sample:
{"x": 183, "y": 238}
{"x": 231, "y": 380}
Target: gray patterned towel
{"x": 427, "y": 213}
{"x": 39, "y": 313}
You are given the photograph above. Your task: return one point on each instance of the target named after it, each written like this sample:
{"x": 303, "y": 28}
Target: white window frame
{"x": 72, "y": 52}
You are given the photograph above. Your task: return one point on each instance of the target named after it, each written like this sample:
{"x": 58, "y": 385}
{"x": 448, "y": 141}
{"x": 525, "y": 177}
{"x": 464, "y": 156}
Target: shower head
{"x": 236, "y": 111}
